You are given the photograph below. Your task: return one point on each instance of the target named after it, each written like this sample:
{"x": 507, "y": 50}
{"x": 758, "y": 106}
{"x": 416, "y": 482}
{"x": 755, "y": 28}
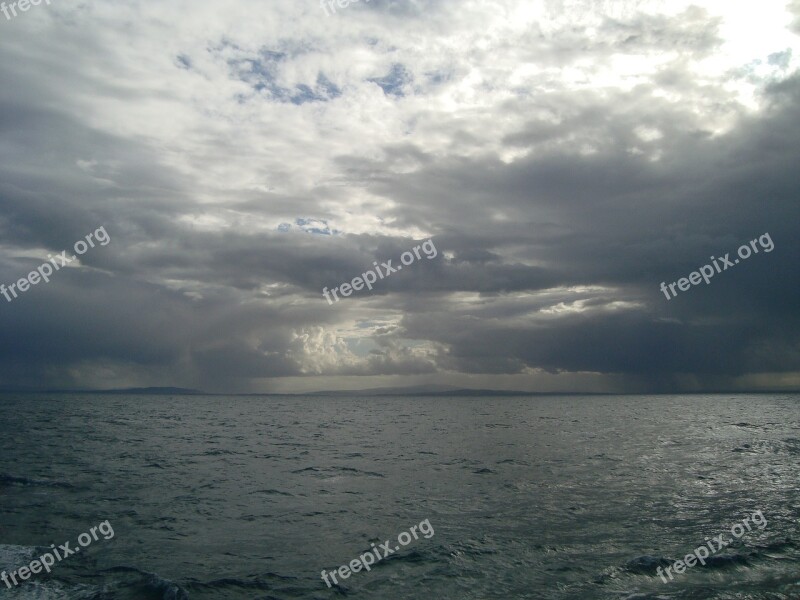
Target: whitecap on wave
{"x": 14, "y": 557}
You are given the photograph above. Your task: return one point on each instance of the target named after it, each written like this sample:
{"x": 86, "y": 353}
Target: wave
{"x": 328, "y": 471}
{"x": 145, "y": 584}
{"x": 6, "y": 479}
{"x": 134, "y": 584}
{"x": 14, "y": 557}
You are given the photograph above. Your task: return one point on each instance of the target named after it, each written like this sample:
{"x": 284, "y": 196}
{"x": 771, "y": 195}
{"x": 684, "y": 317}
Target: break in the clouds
{"x": 565, "y": 156}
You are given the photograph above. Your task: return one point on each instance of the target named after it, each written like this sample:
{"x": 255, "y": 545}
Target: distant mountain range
{"x": 423, "y": 390}
{"x": 419, "y": 390}
{"x": 145, "y": 391}
{"x": 150, "y": 391}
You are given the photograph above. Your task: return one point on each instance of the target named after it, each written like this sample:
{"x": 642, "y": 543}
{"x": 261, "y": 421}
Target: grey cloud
{"x": 554, "y": 232}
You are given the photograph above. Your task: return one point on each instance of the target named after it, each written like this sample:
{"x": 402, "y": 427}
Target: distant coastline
{"x": 428, "y": 391}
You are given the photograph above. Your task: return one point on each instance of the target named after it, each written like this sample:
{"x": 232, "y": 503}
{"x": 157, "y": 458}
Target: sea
{"x": 540, "y": 497}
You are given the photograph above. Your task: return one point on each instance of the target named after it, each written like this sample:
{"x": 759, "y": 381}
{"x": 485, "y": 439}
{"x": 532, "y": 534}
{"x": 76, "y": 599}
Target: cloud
{"x": 566, "y": 157}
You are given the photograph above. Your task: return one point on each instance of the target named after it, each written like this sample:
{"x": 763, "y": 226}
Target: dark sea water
{"x": 546, "y": 497}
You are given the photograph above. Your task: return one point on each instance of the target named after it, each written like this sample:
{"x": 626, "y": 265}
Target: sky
{"x": 564, "y": 157}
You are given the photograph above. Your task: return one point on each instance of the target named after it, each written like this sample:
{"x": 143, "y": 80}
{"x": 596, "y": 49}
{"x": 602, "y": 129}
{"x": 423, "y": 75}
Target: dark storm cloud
{"x": 618, "y": 220}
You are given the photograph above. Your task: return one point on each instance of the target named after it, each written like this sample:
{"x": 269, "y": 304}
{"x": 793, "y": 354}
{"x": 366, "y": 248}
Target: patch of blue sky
{"x": 393, "y": 83}
{"x": 261, "y": 74}
{"x": 315, "y": 226}
{"x": 437, "y": 77}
